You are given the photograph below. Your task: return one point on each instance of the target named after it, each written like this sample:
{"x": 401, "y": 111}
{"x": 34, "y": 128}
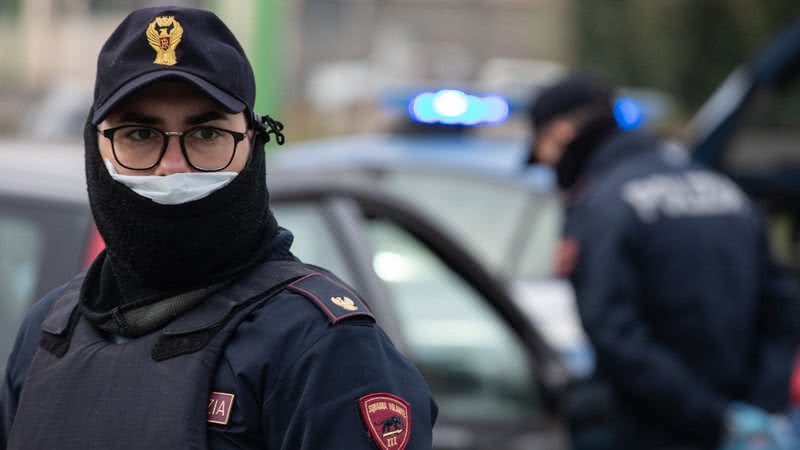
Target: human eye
{"x": 139, "y": 134}
{"x": 205, "y": 134}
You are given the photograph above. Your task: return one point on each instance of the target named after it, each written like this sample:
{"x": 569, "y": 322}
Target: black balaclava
{"x": 578, "y": 91}
{"x": 161, "y": 260}
{"x": 572, "y": 164}
{"x": 154, "y": 252}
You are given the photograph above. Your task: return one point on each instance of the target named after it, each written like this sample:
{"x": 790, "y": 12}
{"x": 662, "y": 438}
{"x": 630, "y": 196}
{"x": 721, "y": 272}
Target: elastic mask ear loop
{"x": 266, "y": 125}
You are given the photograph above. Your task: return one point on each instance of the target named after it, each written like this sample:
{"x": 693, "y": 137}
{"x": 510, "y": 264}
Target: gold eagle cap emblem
{"x": 345, "y": 303}
{"x": 164, "y": 34}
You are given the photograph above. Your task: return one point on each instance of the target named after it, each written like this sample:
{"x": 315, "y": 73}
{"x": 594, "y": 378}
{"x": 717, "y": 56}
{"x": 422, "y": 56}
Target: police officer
{"x": 197, "y": 327}
{"x": 693, "y": 326}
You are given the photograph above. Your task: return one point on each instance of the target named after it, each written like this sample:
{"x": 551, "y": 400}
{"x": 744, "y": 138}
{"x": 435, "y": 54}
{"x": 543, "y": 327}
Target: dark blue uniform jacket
{"x": 297, "y": 378}
{"x": 677, "y": 291}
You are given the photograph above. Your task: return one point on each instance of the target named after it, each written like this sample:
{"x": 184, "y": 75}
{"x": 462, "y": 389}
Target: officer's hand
{"x": 743, "y": 420}
{"x": 751, "y": 428}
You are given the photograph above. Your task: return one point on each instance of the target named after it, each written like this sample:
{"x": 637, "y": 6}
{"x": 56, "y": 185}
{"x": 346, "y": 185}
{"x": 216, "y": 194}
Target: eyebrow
{"x": 207, "y": 116}
{"x": 195, "y": 119}
{"x": 140, "y": 118}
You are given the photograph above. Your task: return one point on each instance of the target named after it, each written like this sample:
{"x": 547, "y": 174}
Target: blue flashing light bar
{"x": 629, "y": 113}
{"x": 453, "y": 107}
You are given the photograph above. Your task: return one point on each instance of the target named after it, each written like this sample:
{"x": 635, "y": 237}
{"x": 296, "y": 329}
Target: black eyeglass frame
{"x": 110, "y": 132}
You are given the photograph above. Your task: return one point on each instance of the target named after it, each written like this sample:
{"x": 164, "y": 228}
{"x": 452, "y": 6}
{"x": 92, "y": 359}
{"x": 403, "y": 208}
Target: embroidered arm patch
{"x": 334, "y": 299}
{"x": 219, "y": 407}
{"x": 388, "y": 419}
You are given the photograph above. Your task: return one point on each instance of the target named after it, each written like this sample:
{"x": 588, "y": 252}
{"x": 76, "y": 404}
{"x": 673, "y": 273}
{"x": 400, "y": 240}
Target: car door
{"x": 42, "y": 245}
{"x": 511, "y": 224}
{"x": 495, "y": 380}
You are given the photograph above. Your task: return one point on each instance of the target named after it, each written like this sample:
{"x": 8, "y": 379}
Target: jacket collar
{"x": 618, "y": 148}
{"x": 281, "y": 243}
{"x": 612, "y": 151}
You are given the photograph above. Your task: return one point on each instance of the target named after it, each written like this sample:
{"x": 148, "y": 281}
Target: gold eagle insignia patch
{"x": 345, "y": 303}
{"x": 164, "y": 34}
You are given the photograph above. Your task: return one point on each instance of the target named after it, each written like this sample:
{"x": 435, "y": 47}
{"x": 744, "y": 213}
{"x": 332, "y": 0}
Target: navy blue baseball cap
{"x": 186, "y": 44}
{"x": 568, "y": 94}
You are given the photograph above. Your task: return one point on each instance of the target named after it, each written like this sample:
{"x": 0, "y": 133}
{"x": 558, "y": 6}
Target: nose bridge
{"x": 173, "y": 144}
{"x": 173, "y": 160}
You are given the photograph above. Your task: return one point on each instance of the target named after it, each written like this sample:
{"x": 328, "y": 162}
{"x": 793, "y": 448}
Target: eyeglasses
{"x": 206, "y": 149}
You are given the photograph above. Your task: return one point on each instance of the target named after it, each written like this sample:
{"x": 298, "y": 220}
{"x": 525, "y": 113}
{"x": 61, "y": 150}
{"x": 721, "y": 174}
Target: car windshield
{"x": 510, "y": 227}
{"x": 770, "y": 125}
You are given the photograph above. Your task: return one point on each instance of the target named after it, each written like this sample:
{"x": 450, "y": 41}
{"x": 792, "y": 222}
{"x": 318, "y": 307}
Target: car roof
{"x": 490, "y": 154}
{"x": 496, "y": 159}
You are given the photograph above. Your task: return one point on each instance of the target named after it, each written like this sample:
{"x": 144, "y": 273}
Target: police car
{"x": 497, "y": 381}
{"x": 478, "y": 188}
{"x": 474, "y": 187}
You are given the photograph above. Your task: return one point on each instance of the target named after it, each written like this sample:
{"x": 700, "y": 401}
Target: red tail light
{"x": 796, "y": 383}
{"x": 94, "y": 247}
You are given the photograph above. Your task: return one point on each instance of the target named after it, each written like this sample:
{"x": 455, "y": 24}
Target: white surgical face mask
{"x": 173, "y": 189}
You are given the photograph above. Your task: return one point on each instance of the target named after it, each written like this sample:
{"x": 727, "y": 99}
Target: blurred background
{"x": 330, "y": 67}
{"x": 406, "y": 170}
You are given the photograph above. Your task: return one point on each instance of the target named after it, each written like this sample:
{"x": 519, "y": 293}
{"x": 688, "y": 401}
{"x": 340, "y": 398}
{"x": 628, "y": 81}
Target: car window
{"x": 314, "y": 242}
{"x": 765, "y": 143}
{"x": 475, "y": 365}
{"x": 22, "y": 245}
{"x": 767, "y": 138}
{"x": 481, "y": 214}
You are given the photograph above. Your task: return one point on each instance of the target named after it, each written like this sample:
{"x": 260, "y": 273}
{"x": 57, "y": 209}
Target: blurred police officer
{"x": 692, "y": 324}
{"x": 196, "y": 327}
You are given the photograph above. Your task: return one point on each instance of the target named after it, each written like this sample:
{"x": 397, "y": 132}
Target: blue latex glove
{"x": 743, "y": 420}
{"x": 751, "y": 428}
{"x": 783, "y": 433}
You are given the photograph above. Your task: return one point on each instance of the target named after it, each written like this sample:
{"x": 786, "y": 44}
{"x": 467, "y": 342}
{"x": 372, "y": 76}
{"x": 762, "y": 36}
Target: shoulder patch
{"x": 336, "y": 300}
{"x": 388, "y": 419}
